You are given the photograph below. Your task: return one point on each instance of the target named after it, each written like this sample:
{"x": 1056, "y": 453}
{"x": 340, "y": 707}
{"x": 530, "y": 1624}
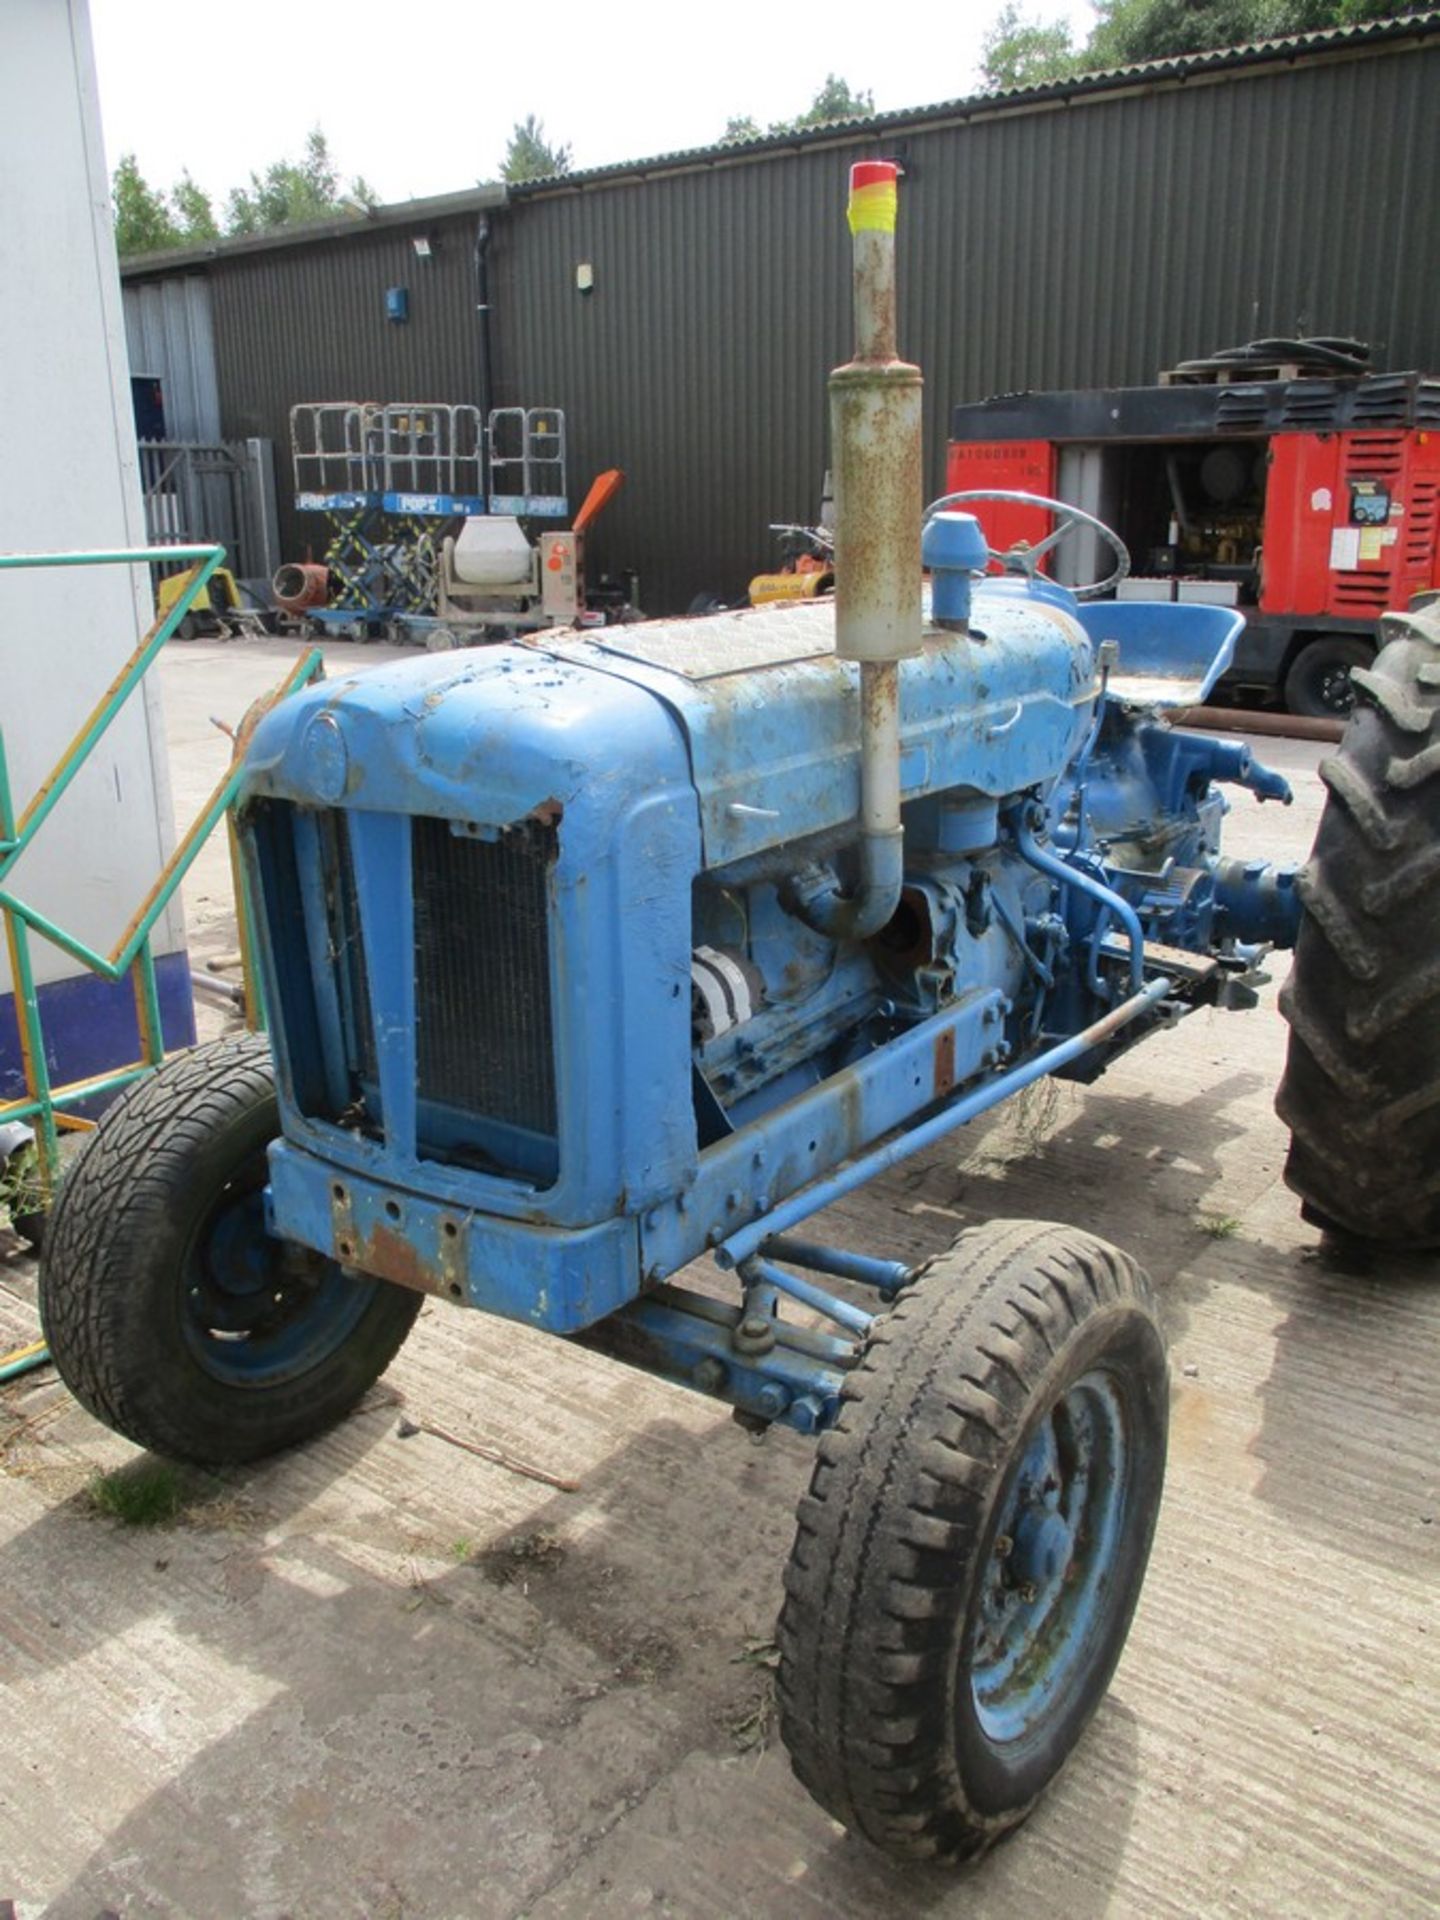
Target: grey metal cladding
{"x": 1076, "y": 240}
{"x": 170, "y": 336}
{"x": 1070, "y": 245}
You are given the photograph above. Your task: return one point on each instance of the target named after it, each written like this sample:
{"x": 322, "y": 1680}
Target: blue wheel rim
{"x": 259, "y": 1311}
{"x": 1051, "y": 1571}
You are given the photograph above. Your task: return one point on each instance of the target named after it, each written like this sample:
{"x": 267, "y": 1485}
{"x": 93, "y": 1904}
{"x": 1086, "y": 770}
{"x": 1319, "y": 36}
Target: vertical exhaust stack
{"x": 875, "y": 440}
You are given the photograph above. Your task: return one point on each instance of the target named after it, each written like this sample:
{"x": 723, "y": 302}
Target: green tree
{"x": 836, "y": 100}
{"x": 1021, "y": 50}
{"x": 194, "y": 214}
{"x": 1129, "y": 30}
{"x": 530, "y": 156}
{"x": 291, "y": 193}
{"x": 143, "y": 222}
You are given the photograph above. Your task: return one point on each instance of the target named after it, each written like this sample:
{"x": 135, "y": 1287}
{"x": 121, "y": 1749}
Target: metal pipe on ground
{"x": 1280, "y": 726}
{"x": 24, "y": 1360}
{"x": 218, "y": 989}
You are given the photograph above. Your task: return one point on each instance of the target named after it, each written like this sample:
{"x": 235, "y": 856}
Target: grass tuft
{"x": 146, "y": 1493}
{"x": 1219, "y": 1226}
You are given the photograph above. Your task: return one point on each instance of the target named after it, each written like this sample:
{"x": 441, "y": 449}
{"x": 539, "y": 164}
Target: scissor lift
{"x": 389, "y": 478}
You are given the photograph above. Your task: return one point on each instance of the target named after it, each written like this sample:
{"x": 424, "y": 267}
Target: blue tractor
{"x": 587, "y": 955}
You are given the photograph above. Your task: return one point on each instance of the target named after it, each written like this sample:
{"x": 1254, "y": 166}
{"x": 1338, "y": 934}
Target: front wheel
{"x": 171, "y": 1313}
{"x": 974, "y": 1540}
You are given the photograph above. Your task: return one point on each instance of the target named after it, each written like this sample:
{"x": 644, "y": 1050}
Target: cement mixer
{"x": 495, "y": 580}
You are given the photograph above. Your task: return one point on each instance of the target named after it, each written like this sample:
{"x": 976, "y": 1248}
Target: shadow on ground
{"x": 477, "y": 1738}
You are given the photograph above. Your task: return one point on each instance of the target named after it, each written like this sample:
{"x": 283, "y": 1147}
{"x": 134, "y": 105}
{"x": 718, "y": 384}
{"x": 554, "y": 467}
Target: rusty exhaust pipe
{"x": 875, "y": 433}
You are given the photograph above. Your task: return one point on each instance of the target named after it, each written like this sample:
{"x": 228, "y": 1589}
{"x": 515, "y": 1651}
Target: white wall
{"x": 68, "y": 479}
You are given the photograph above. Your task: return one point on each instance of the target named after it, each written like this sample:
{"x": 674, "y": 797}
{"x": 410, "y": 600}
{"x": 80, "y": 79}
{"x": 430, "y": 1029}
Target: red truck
{"x": 1310, "y": 501}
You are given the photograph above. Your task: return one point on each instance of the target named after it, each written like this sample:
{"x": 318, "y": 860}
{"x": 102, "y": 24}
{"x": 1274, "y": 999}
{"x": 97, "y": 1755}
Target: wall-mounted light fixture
{"x": 424, "y": 246}
{"x": 585, "y": 277}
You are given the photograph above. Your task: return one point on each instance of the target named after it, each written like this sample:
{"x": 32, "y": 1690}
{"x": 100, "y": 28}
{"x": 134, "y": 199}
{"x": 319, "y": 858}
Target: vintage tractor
{"x": 588, "y": 955}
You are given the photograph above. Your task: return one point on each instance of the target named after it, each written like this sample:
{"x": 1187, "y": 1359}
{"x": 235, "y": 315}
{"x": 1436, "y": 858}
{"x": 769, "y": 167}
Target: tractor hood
{"x": 750, "y": 708}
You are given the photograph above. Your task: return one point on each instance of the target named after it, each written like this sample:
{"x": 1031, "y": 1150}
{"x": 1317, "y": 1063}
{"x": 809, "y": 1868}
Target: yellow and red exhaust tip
{"x": 874, "y": 196}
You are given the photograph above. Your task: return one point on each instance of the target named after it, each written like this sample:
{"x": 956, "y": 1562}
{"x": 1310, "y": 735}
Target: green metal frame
{"x": 45, "y": 1103}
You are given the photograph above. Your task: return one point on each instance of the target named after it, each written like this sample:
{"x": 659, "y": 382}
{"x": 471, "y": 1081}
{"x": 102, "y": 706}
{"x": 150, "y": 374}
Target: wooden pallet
{"x": 1241, "y": 376}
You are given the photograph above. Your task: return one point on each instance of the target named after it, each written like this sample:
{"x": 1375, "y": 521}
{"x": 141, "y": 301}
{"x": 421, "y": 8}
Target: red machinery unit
{"x": 1313, "y": 503}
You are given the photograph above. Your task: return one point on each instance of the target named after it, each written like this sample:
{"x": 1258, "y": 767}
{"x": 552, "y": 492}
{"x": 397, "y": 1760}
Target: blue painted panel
{"x": 335, "y": 502}
{"x": 742, "y": 1177}
{"x": 90, "y": 1025}
{"x": 1170, "y": 656}
{"x": 433, "y": 506}
{"x": 774, "y": 729}
{"x": 545, "y": 1276}
{"x": 535, "y": 506}
{"x": 380, "y": 850}
{"x": 490, "y": 738}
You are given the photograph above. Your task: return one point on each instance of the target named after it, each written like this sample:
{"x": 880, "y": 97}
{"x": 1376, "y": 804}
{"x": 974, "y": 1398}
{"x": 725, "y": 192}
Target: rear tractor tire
{"x": 974, "y": 1540}
{"x": 1361, "y": 1090}
{"x": 171, "y": 1313}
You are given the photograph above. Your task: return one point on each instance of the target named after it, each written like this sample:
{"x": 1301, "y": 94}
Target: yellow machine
{"x": 217, "y": 607}
{"x": 807, "y": 571}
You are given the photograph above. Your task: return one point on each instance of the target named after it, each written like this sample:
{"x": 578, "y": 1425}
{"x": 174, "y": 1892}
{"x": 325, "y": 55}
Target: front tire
{"x": 1361, "y": 1091}
{"x": 974, "y": 1540}
{"x": 170, "y": 1312}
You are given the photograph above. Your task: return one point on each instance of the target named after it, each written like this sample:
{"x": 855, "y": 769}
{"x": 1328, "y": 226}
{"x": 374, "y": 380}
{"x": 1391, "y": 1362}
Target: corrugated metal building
{"x": 1082, "y": 234}
{"x": 170, "y": 336}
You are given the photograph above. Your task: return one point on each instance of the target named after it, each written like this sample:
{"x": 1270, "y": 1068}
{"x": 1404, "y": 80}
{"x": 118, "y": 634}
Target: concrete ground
{"x": 384, "y": 1677}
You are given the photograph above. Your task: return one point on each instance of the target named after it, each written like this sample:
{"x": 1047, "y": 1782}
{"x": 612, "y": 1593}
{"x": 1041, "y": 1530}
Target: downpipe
{"x": 875, "y": 431}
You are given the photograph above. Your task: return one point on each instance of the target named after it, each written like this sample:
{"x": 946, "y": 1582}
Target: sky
{"x": 419, "y": 96}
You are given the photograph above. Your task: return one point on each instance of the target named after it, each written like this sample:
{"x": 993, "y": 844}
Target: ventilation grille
{"x": 1382, "y": 401}
{"x": 1374, "y": 456}
{"x": 1312, "y": 404}
{"x": 483, "y": 1035}
{"x": 1363, "y": 593}
{"x": 1240, "y": 407}
{"x": 1420, "y": 524}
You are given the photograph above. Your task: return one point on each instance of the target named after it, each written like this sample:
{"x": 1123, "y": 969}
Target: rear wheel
{"x": 171, "y": 1313}
{"x": 1361, "y": 1091}
{"x": 1317, "y": 686}
{"x": 974, "y": 1540}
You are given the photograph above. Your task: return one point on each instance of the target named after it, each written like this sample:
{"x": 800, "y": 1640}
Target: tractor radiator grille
{"x": 346, "y": 950}
{"x": 483, "y": 1037}
{"x": 484, "y": 1086}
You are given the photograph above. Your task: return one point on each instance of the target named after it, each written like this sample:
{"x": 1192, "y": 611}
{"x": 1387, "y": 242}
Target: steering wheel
{"x": 1024, "y": 559}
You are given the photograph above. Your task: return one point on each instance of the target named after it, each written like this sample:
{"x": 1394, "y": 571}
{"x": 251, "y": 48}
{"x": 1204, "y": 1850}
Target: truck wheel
{"x": 1361, "y": 1091}
{"x": 974, "y": 1539}
{"x": 171, "y": 1313}
{"x": 1317, "y": 687}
